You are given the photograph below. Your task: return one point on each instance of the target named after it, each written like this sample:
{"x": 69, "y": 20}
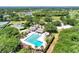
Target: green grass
{"x": 56, "y": 18}
{"x": 24, "y": 50}
{"x": 17, "y": 22}
{"x": 68, "y": 41}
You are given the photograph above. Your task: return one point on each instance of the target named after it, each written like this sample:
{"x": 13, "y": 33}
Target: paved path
{"x": 53, "y": 43}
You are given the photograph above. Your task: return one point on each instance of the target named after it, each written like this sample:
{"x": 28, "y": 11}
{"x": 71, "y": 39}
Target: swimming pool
{"x": 33, "y": 40}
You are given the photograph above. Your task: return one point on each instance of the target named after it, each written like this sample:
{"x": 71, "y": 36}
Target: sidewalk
{"x": 53, "y": 44}
{"x": 50, "y": 50}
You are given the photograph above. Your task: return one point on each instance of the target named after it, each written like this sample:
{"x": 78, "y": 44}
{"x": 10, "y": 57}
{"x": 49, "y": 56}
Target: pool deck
{"x": 41, "y": 39}
{"x": 23, "y": 40}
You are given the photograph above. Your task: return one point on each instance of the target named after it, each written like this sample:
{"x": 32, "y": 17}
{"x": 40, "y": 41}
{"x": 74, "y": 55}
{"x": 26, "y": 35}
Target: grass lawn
{"x": 17, "y": 22}
{"x": 56, "y": 17}
{"x": 68, "y": 41}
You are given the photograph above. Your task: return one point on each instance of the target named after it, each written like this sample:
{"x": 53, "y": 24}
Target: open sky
{"x": 39, "y": 2}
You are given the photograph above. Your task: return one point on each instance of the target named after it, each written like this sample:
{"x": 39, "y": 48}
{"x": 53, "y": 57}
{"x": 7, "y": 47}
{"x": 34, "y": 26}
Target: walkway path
{"x": 53, "y": 43}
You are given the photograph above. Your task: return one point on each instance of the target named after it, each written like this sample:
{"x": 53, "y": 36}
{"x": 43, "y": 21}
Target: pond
{"x": 3, "y": 23}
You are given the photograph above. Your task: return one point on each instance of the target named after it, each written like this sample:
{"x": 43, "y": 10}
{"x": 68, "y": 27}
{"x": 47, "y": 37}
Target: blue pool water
{"x": 33, "y": 40}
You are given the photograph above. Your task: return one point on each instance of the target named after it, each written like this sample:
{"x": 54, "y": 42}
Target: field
{"x": 16, "y": 22}
{"x": 56, "y": 18}
{"x": 68, "y": 41}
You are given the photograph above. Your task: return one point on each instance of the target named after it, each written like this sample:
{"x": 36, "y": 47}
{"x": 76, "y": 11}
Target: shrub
{"x": 24, "y": 50}
{"x": 57, "y": 23}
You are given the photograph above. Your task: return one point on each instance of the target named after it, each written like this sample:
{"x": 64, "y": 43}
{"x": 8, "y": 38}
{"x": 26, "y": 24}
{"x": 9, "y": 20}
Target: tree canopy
{"x": 9, "y": 39}
{"x": 49, "y": 27}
